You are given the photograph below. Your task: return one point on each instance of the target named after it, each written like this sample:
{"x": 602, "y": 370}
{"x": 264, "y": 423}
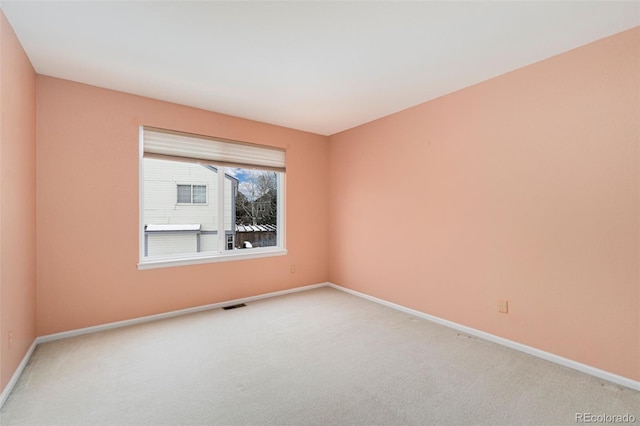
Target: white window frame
{"x": 222, "y": 255}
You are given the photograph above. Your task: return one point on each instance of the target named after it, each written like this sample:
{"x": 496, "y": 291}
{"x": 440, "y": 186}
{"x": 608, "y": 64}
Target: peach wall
{"x": 524, "y": 187}
{"x": 17, "y": 202}
{"x": 87, "y": 141}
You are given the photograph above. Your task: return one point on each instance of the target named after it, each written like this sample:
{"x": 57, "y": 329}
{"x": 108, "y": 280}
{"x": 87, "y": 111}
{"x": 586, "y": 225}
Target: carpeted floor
{"x": 319, "y": 357}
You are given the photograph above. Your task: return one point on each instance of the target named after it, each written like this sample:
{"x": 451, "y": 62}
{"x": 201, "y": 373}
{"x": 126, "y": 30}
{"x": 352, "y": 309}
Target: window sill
{"x": 196, "y": 260}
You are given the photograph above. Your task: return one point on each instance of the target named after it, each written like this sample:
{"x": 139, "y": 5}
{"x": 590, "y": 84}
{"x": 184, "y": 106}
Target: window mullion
{"x": 222, "y": 241}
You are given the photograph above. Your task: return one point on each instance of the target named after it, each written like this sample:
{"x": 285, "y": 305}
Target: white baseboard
{"x": 66, "y": 334}
{"x": 605, "y": 375}
{"x": 602, "y": 374}
{"x": 180, "y": 312}
{"x": 16, "y": 375}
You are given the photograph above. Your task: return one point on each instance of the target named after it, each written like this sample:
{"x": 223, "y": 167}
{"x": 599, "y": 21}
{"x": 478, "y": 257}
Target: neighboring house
{"x": 181, "y": 208}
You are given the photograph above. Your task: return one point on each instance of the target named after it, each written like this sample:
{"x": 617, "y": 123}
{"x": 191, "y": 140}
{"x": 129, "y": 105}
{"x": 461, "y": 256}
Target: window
{"x": 205, "y": 200}
{"x": 192, "y": 194}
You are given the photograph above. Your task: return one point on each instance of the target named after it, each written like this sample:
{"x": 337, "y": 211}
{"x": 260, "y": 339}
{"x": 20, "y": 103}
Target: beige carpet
{"x": 318, "y": 357}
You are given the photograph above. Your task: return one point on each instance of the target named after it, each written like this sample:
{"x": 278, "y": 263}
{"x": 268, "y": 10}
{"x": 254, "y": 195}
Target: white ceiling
{"x": 322, "y": 66}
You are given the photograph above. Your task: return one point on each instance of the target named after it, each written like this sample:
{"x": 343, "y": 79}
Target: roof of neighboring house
{"x": 197, "y": 226}
{"x": 256, "y": 228}
{"x": 215, "y": 169}
{"x": 172, "y": 227}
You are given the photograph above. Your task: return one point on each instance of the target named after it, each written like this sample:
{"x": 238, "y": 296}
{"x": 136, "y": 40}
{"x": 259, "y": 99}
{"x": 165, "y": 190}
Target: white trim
{"x": 221, "y": 190}
{"x": 239, "y": 254}
{"x": 141, "y": 234}
{"x": 557, "y": 359}
{"x": 16, "y": 375}
{"x": 605, "y": 375}
{"x": 180, "y": 312}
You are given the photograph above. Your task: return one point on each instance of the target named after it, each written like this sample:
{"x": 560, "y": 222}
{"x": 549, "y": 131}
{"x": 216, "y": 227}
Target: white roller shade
{"x": 187, "y": 147}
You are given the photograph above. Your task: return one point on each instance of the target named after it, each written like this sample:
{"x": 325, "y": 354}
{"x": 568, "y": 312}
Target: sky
{"x": 244, "y": 176}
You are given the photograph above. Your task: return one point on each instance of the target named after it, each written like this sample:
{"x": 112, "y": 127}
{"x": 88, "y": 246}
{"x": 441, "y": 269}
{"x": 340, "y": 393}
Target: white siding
{"x": 167, "y": 243}
{"x": 161, "y": 179}
{"x": 209, "y": 242}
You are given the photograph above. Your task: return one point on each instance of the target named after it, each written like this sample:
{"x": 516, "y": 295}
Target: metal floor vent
{"x": 241, "y": 305}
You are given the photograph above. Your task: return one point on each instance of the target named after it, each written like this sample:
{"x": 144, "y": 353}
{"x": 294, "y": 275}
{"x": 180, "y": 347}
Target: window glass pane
{"x": 196, "y": 224}
{"x": 184, "y": 193}
{"x": 199, "y": 194}
{"x": 183, "y": 228}
{"x": 256, "y": 208}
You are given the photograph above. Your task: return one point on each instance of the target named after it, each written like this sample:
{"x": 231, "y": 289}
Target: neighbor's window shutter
{"x": 177, "y": 146}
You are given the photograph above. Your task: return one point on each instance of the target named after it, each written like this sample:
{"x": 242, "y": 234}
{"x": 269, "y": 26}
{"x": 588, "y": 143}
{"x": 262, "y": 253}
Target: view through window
{"x": 199, "y": 208}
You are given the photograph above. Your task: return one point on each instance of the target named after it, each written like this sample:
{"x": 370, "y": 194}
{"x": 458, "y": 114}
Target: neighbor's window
{"x": 192, "y": 194}
{"x": 206, "y": 199}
